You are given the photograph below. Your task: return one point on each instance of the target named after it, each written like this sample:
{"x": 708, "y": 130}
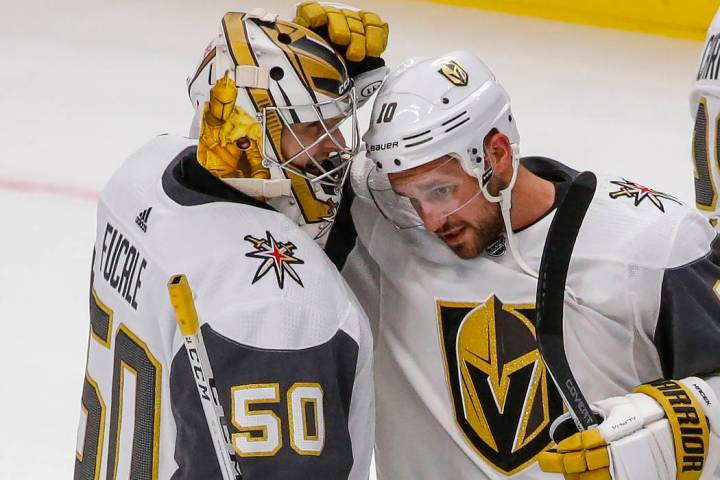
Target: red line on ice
{"x": 48, "y": 189}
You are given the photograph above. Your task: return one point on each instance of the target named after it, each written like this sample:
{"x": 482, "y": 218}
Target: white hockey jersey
{"x": 288, "y": 343}
{"x": 461, "y": 391}
{"x": 705, "y": 109}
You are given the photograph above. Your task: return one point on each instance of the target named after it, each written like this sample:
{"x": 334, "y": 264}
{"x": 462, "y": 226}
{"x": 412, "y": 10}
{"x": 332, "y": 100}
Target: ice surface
{"x": 84, "y": 83}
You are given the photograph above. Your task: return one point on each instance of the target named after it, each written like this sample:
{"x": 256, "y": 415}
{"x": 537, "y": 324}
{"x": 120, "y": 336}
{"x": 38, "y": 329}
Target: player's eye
{"x": 307, "y": 130}
{"x": 315, "y": 127}
{"x": 442, "y": 192}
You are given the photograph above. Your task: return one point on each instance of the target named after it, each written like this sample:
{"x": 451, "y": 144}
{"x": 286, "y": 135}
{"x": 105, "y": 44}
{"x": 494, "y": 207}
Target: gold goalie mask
{"x": 286, "y": 95}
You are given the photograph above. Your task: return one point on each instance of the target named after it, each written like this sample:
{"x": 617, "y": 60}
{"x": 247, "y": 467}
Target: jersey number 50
{"x": 305, "y": 418}
{"x": 133, "y": 365}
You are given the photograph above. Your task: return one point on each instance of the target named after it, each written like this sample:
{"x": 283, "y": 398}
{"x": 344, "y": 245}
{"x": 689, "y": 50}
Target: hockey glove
{"x": 360, "y": 37}
{"x": 229, "y": 143}
{"x": 356, "y": 34}
{"x": 665, "y": 430}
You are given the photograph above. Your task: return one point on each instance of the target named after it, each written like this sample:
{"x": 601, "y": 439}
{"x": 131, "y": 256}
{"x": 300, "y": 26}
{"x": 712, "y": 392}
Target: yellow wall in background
{"x": 675, "y": 18}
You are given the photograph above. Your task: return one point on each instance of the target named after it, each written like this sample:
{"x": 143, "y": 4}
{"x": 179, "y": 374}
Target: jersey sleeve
{"x": 289, "y": 411}
{"x": 361, "y": 422}
{"x": 687, "y": 334}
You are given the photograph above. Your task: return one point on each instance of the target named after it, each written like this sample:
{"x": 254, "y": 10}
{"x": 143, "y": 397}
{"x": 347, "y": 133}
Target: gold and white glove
{"x": 362, "y": 34}
{"x": 665, "y": 430}
{"x": 360, "y": 37}
{"x": 229, "y": 143}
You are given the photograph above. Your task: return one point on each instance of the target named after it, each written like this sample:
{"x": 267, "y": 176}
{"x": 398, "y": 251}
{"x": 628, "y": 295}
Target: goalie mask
{"x": 294, "y": 84}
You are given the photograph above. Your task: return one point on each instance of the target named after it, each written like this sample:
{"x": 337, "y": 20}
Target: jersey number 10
{"x": 705, "y": 190}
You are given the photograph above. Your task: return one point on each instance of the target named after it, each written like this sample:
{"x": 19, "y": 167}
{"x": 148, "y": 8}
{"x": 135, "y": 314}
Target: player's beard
{"x": 475, "y": 237}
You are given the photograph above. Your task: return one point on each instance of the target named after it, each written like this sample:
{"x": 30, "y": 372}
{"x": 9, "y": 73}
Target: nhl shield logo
{"x": 503, "y": 397}
{"x": 497, "y": 248}
{"x": 455, "y": 73}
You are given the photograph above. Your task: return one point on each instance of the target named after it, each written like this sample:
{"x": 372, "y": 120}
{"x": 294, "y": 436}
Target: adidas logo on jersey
{"x": 142, "y": 219}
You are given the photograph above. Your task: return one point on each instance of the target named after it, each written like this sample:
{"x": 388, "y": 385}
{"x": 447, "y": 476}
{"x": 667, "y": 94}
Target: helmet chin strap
{"x": 504, "y": 198}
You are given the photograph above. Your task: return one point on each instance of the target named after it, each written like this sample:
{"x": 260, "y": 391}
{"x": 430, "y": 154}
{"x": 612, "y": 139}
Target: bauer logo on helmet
{"x": 383, "y": 146}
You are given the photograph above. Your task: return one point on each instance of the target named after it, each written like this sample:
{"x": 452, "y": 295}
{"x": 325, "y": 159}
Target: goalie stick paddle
{"x": 550, "y": 298}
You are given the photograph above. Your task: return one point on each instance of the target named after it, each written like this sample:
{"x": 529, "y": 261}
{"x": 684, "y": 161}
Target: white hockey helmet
{"x": 286, "y": 74}
{"x": 434, "y": 107}
{"x": 431, "y": 107}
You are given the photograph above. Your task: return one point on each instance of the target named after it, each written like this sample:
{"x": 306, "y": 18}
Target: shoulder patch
{"x": 276, "y": 256}
{"x": 639, "y": 193}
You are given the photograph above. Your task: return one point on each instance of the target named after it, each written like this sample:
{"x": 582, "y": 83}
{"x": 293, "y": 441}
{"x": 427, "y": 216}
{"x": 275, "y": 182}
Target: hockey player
{"x": 360, "y": 37}
{"x": 441, "y": 242}
{"x": 288, "y": 344}
{"x": 705, "y": 108}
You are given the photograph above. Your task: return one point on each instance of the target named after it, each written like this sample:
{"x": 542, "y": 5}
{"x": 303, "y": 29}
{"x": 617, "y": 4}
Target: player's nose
{"x": 433, "y": 222}
{"x": 332, "y": 142}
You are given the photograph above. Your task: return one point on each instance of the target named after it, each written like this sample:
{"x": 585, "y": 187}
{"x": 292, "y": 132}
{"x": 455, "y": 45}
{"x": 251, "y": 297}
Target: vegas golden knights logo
{"x": 503, "y": 397}
{"x": 455, "y": 73}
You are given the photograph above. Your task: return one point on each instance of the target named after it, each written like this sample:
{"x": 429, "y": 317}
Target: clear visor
{"x": 318, "y": 135}
{"x": 421, "y": 196}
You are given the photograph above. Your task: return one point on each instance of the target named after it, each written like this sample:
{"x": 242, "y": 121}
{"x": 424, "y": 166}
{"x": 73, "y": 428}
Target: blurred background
{"x": 595, "y": 84}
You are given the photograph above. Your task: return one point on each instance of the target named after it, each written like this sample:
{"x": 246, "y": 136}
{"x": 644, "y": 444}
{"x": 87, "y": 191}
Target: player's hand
{"x": 643, "y": 435}
{"x": 355, "y": 34}
{"x": 360, "y": 37}
{"x": 229, "y": 143}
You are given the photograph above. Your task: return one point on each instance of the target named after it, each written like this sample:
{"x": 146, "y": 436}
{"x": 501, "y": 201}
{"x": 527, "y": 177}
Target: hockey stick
{"x": 187, "y": 319}
{"x": 550, "y": 298}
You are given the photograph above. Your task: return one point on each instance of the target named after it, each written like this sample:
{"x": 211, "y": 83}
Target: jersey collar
{"x": 187, "y": 183}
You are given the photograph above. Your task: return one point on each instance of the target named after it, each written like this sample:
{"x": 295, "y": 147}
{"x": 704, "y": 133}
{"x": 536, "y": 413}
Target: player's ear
{"x": 498, "y": 153}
